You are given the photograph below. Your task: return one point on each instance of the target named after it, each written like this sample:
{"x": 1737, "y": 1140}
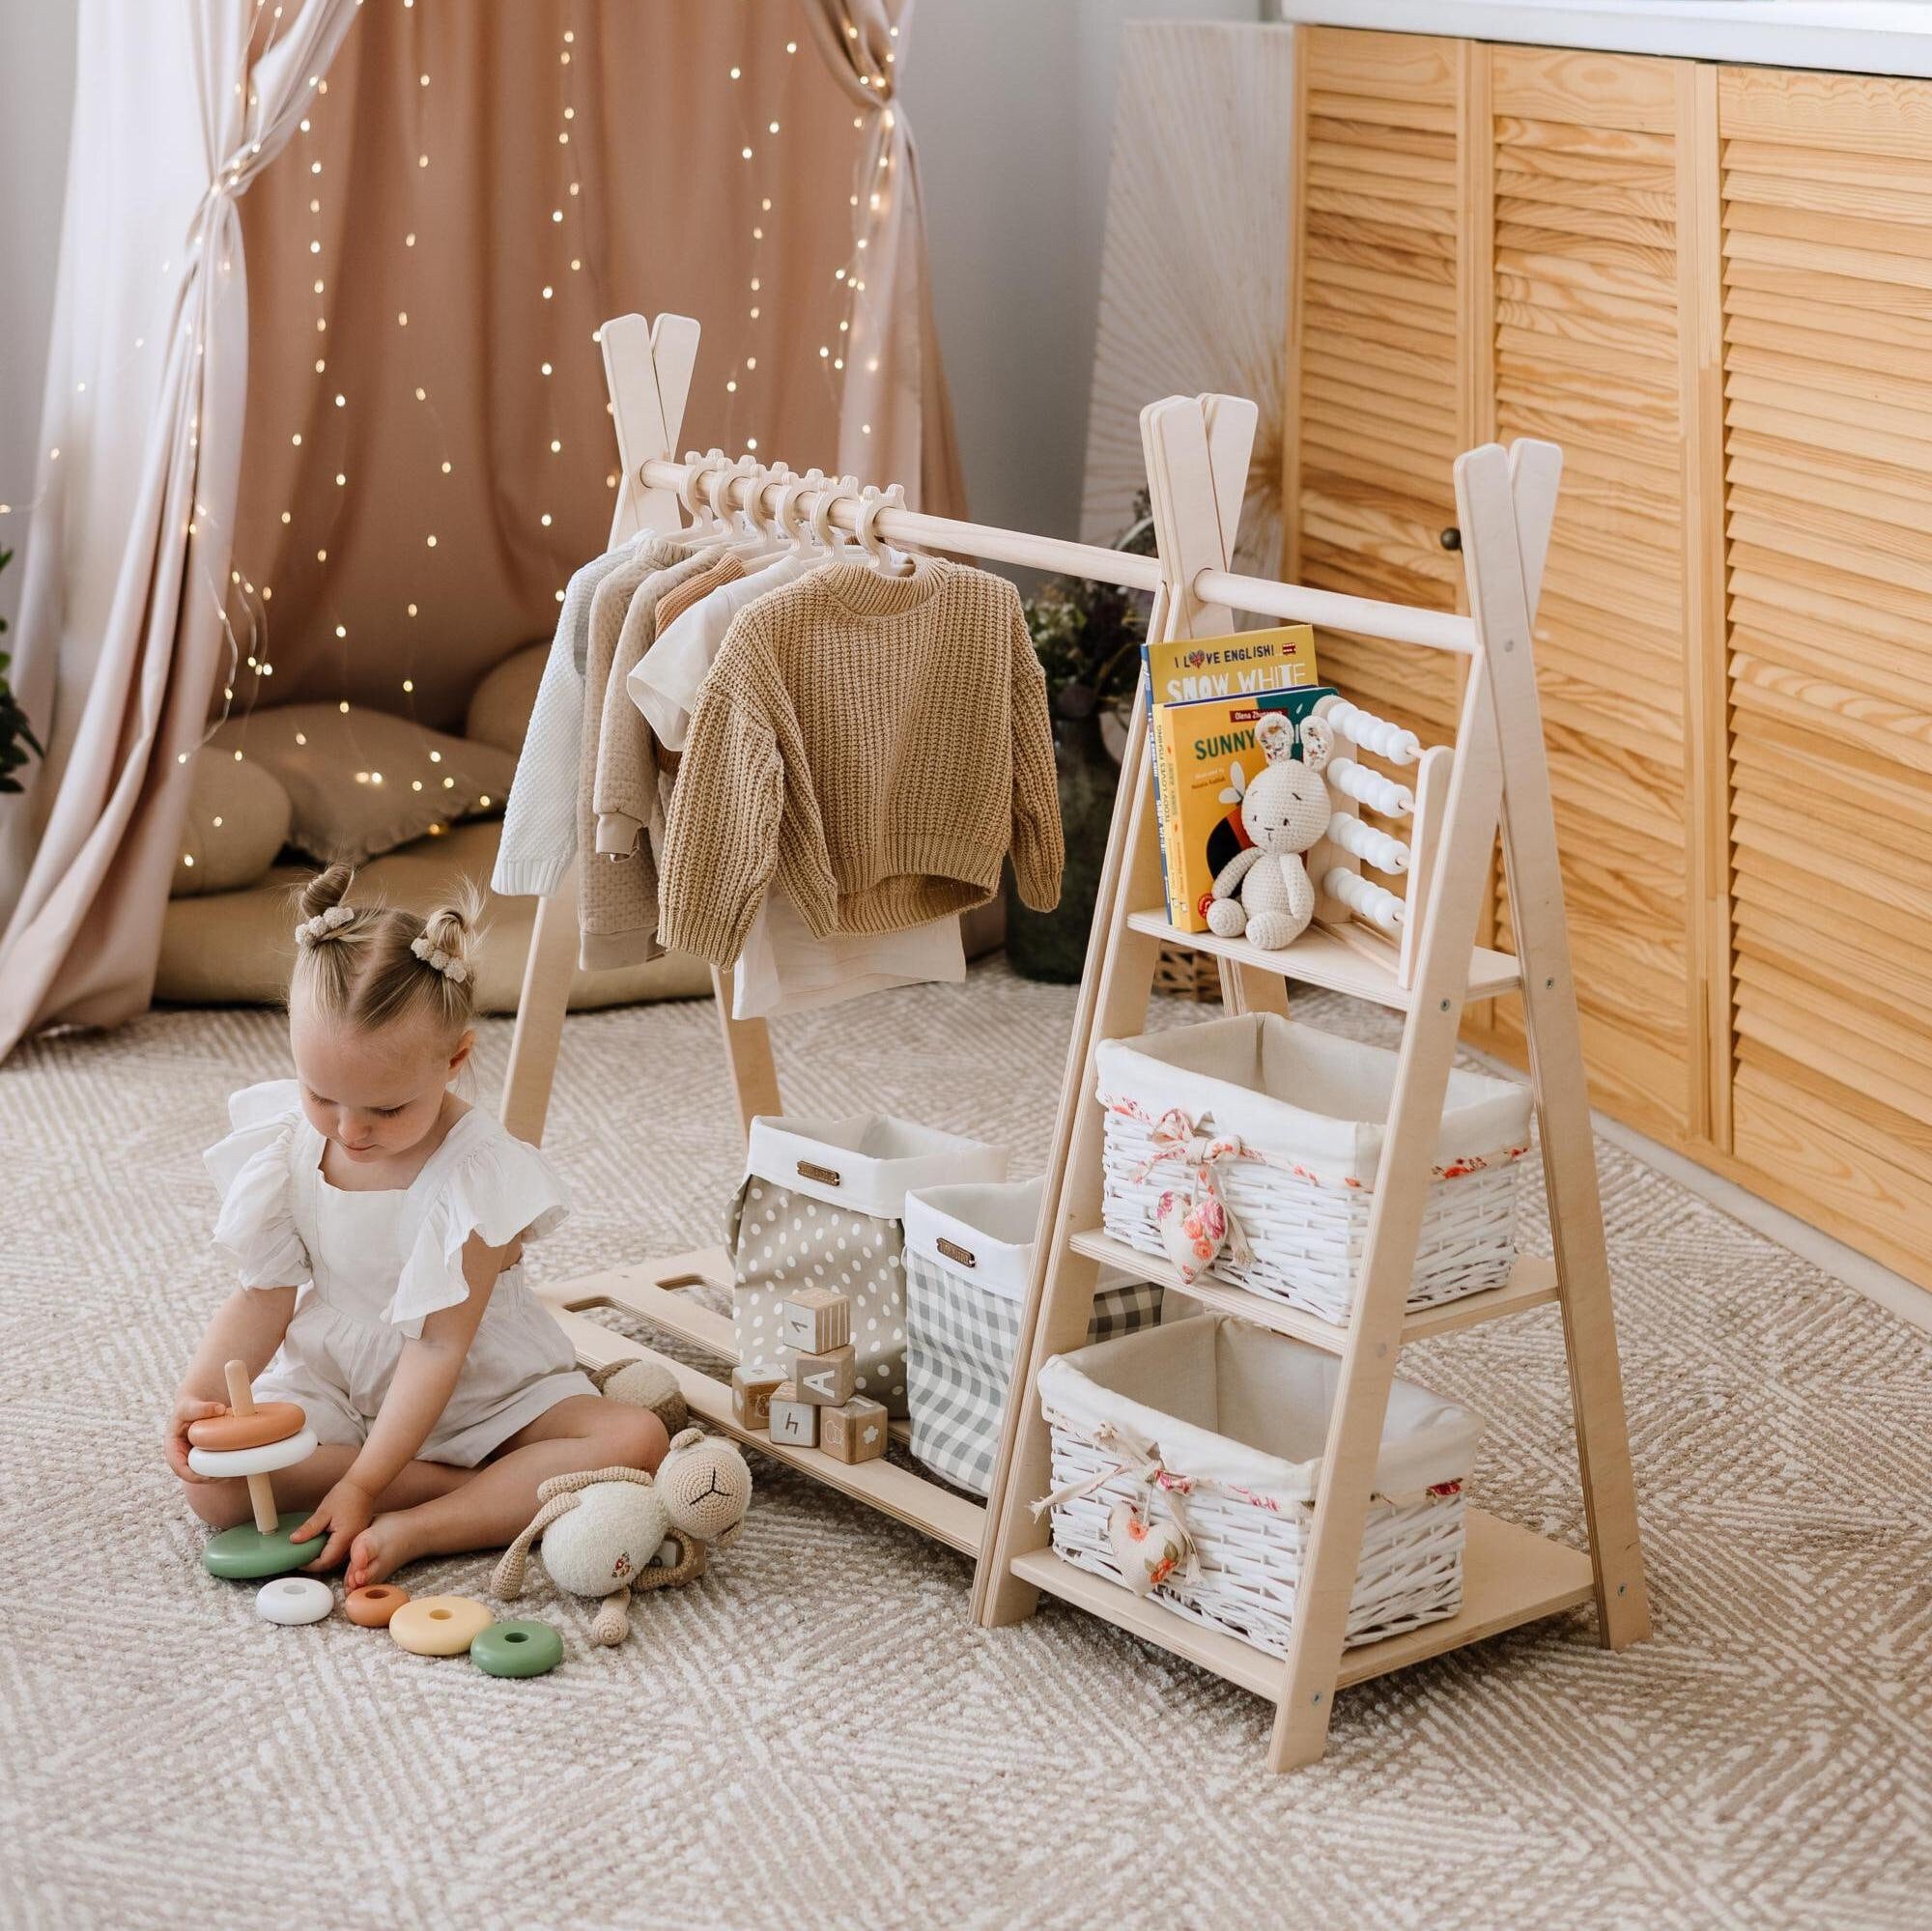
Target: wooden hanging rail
{"x": 1425, "y": 964}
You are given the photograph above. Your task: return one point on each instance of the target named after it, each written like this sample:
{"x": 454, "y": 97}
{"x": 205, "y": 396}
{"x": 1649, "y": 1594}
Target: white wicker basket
{"x": 1235, "y": 1419}
{"x": 1308, "y": 1112}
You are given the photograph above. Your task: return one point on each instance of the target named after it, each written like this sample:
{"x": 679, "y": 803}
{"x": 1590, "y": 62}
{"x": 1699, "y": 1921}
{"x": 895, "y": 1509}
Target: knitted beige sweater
{"x": 874, "y": 746}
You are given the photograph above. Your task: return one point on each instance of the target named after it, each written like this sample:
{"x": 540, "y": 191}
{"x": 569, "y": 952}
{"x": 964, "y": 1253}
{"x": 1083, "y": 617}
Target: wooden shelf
{"x": 1532, "y": 1283}
{"x": 1361, "y": 965}
{"x": 1510, "y": 1577}
{"x": 651, "y": 1290}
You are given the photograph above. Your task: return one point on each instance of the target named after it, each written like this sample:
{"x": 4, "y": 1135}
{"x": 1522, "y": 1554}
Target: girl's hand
{"x": 345, "y": 1512}
{"x": 186, "y": 1409}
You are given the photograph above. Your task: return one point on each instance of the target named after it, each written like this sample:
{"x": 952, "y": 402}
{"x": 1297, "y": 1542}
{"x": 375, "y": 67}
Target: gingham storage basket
{"x": 1219, "y": 1426}
{"x": 820, "y": 1206}
{"x": 968, "y": 1256}
{"x": 1306, "y": 1113}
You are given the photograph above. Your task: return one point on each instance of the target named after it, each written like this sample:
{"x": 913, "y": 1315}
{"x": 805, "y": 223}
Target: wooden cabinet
{"x": 1827, "y": 188}
{"x": 1712, "y": 286}
{"x": 1591, "y": 312}
{"x": 1383, "y": 257}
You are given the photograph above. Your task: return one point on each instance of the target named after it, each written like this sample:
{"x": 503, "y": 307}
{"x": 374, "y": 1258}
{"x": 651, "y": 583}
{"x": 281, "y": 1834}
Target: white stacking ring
{"x": 294, "y": 1599}
{"x": 263, "y": 1460}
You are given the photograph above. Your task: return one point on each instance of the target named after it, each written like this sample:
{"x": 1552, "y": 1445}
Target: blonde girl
{"x": 378, "y": 1222}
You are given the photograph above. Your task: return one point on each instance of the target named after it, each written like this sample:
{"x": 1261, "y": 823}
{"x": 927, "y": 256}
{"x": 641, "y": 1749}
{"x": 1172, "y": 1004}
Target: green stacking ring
{"x": 517, "y": 1649}
{"x": 244, "y": 1554}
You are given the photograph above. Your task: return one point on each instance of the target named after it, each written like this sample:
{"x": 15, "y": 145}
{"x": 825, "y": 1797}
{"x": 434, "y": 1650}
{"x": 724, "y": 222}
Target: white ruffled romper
{"x": 369, "y": 1267}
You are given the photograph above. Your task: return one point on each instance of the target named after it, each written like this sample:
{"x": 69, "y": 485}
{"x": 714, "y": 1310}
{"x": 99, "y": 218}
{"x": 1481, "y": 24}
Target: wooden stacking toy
{"x": 854, "y": 1432}
{"x": 440, "y": 1625}
{"x": 815, "y": 1405}
{"x": 521, "y": 1648}
{"x": 294, "y": 1599}
{"x": 752, "y": 1392}
{"x": 253, "y": 1443}
{"x": 791, "y": 1420}
{"x": 371, "y": 1606}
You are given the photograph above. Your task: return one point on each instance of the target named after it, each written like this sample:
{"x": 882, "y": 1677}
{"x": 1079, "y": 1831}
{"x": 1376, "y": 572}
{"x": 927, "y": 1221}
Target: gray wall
{"x": 36, "y": 105}
{"x": 1011, "y": 105}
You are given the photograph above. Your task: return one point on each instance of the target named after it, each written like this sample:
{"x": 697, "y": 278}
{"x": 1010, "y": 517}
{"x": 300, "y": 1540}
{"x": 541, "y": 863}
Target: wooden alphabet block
{"x": 855, "y": 1431}
{"x": 814, "y": 1320}
{"x": 793, "y": 1422}
{"x": 826, "y": 1379}
{"x": 751, "y": 1396}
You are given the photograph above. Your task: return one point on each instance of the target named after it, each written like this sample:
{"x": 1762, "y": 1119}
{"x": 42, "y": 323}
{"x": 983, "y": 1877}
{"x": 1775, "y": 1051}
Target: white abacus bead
{"x": 1365, "y": 899}
{"x": 1371, "y": 733}
{"x": 1369, "y": 787}
{"x": 1392, "y": 742}
{"x": 1373, "y": 847}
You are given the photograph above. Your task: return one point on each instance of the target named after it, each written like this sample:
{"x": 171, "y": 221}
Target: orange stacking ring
{"x": 272, "y": 1422}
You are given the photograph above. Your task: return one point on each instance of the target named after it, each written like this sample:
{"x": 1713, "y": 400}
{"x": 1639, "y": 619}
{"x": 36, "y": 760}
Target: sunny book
{"x": 1204, "y": 755}
{"x": 1201, "y": 669}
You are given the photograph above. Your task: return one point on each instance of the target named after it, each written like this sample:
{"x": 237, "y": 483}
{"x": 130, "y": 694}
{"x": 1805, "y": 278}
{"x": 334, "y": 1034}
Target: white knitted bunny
{"x": 606, "y": 1531}
{"x": 1284, "y": 811}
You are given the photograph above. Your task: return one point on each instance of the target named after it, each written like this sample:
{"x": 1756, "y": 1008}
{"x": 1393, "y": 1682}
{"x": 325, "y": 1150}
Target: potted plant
{"x": 1088, "y": 637}
{"x": 17, "y": 741}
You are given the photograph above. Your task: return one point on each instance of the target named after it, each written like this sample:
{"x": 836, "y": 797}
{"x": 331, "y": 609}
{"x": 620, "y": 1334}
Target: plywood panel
{"x": 1827, "y": 385}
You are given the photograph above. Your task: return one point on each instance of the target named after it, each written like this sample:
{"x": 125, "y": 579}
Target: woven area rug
{"x": 813, "y": 1736}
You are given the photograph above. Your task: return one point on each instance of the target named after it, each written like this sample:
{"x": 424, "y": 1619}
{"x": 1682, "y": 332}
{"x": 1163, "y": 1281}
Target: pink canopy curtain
{"x": 896, "y": 419}
{"x": 464, "y": 194}
{"x": 429, "y": 266}
{"x": 179, "y": 109}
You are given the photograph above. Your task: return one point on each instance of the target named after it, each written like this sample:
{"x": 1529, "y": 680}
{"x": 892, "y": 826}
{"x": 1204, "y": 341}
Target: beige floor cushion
{"x": 500, "y": 708}
{"x": 236, "y": 948}
{"x": 237, "y": 819}
{"x": 363, "y": 783}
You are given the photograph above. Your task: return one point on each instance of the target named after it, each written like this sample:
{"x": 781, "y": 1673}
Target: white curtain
{"x": 179, "y": 107}
{"x": 894, "y": 419}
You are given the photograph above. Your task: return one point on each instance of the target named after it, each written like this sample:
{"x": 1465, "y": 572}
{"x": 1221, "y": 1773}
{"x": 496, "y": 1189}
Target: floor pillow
{"x": 237, "y": 819}
{"x": 361, "y": 781}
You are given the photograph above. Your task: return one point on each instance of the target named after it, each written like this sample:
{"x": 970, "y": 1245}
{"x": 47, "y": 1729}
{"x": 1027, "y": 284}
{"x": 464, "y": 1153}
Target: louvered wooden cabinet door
{"x": 1827, "y": 385}
{"x": 1373, "y": 360}
{"x": 1588, "y": 180}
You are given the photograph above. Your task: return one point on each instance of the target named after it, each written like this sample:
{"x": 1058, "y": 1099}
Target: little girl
{"x": 379, "y": 1222}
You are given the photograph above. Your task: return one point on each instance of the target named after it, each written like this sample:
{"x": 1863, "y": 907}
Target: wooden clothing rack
{"x": 1197, "y": 453}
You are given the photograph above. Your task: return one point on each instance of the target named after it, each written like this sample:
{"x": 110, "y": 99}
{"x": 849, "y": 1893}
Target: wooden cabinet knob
{"x": 1451, "y": 538}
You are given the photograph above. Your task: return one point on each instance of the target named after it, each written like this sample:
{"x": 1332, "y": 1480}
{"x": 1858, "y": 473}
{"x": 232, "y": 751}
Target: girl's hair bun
{"x": 326, "y": 891}
{"x": 372, "y": 965}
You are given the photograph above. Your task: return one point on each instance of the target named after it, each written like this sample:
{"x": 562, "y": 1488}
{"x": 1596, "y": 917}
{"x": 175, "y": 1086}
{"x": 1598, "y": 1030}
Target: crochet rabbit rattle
{"x": 1266, "y": 891}
{"x": 604, "y": 1528}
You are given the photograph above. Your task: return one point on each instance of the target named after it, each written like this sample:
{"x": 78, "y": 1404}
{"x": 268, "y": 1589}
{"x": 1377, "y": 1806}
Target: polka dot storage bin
{"x": 821, "y": 1206}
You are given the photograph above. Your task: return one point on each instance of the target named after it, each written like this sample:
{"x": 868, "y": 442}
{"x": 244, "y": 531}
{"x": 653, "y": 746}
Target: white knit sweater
{"x": 539, "y": 838}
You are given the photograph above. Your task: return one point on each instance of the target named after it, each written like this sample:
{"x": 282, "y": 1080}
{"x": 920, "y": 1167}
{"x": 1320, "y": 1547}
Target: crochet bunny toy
{"x": 603, "y": 1529}
{"x": 1266, "y": 890}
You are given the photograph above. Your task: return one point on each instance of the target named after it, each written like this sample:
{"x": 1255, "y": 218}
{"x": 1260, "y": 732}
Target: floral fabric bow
{"x": 1194, "y": 1223}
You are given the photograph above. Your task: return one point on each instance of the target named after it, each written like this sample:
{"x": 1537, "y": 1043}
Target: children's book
{"x": 1204, "y": 755}
{"x": 1230, "y": 671}
{"x": 1187, "y": 668}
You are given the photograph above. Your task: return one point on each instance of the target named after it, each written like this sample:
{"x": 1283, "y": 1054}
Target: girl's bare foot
{"x": 381, "y": 1549}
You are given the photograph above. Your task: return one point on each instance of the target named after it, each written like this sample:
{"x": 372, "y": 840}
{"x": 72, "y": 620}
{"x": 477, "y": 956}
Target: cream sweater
{"x": 617, "y": 892}
{"x": 874, "y": 745}
{"x": 540, "y": 819}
